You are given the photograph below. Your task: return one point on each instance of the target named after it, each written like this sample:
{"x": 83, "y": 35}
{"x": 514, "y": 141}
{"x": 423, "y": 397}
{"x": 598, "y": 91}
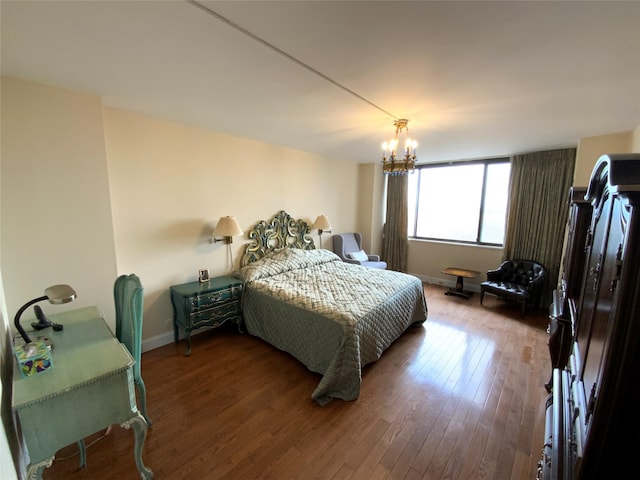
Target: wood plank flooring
{"x": 461, "y": 397}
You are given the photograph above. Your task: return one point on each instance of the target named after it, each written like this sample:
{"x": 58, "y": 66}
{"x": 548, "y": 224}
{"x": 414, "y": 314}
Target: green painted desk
{"x": 89, "y": 388}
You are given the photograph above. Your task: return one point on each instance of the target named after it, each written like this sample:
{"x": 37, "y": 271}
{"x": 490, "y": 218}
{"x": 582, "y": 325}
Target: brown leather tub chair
{"x": 516, "y": 280}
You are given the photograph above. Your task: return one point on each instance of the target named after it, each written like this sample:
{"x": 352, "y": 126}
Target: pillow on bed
{"x": 284, "y": 260}
{"x": 360, "y": 256}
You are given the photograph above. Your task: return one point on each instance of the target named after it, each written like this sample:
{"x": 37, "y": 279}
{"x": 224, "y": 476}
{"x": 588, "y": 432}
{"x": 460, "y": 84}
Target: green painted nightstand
{"x": 205, "y": 304}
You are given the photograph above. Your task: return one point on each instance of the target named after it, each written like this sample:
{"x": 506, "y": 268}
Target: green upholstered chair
{"x": 129, "y": 300}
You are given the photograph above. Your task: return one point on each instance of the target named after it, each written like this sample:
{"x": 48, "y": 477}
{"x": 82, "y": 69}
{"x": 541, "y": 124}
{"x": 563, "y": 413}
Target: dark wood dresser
{"x": 593, "y": 411}
{"x": 573, "y": 264}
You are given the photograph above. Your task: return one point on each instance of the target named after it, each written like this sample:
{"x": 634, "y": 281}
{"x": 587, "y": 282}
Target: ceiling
{"x": 475, "y": 79}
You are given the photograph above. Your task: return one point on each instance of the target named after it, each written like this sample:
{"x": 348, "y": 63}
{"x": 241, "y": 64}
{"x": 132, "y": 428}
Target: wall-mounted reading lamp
{"x": 56, "y": 294}
{"x": 323, "y": 224}
{"x": 227, "y": 228}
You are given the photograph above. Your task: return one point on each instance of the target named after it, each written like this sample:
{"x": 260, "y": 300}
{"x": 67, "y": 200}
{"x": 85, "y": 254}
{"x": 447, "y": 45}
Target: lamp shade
{"x": 59, "y": 294}
{"x": 227, "y": 227}
{"x": 322, "y": 223}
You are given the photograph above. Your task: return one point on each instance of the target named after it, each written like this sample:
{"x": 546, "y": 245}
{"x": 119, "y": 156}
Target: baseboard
{"x": 167, "y": 337}
{"x": 446, "y": 282}
{"x": 157, "y": 341}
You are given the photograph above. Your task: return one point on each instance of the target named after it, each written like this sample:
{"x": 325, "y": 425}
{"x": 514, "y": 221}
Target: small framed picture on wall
{"x": 203, "y": 275}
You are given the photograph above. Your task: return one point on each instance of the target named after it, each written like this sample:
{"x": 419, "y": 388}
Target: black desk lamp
{"x": 56, "y": 294}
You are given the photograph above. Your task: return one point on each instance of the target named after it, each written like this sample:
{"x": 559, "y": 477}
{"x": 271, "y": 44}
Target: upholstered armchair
{"x": 516, "y": 280}
{"x": 348, "y": 246}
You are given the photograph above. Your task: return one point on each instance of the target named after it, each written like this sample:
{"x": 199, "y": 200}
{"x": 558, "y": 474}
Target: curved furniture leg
{"x": 83, "y": 453}
{"x": 140, "y": 431}
{"x": 143, "y": 400}
{"x": 34, "y": 472}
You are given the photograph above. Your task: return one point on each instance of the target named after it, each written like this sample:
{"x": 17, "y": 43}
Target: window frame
{"x": 485, "y": 162}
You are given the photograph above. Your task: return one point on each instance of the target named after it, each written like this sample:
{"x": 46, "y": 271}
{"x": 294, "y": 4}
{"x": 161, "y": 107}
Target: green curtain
{"x": 538, "y": 211}
{"x": 395, "y": 245}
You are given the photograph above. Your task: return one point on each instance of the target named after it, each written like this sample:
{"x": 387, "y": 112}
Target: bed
{"x": 332, "y": 316}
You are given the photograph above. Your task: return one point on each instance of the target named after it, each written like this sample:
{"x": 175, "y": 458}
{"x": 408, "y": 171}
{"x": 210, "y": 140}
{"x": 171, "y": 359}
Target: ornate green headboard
{"x": 282, "y": 231}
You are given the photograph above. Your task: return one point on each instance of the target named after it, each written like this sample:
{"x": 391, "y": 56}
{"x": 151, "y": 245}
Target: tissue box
{"x": 38, "y": 361}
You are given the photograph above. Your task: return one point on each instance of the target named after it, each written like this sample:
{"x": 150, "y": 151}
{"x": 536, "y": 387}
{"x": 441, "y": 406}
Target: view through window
{"x": 462, "y": 202}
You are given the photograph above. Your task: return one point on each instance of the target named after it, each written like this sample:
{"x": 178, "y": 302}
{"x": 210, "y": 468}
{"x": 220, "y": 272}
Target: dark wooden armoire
{"x": 593, "y": 411}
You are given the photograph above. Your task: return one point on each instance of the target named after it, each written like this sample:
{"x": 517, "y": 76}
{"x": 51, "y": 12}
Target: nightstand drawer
{"x": 215, "y": 317}
{"x": 205, "y": 301}
{"x": 205, "y": 304}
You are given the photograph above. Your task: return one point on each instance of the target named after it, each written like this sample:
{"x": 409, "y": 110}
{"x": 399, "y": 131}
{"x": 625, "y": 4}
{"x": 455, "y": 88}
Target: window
{"x": 461, "y": 202}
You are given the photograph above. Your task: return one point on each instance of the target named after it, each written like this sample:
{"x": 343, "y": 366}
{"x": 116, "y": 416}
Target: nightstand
{"x": 205, "y": 304}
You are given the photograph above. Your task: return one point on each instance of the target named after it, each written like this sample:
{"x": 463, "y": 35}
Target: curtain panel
{"x": 395, "y": 244}
{"x": 538, "y": 211}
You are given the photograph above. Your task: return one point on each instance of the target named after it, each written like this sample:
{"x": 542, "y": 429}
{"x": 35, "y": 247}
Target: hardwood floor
{"x": 461, "y": 397}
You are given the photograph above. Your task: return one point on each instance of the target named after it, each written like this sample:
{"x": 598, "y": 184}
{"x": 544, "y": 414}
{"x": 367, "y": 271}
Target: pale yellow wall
{"x": 427, "y": 260}
{"x": 54, "y": 209}
{"x": 378, "y": 207}
{"x": 167, "y": 185}
{"x": 365, "y": 206}
{"x": 8, "y": 437}
{"x": 68, "y": 163}
{"x": 88, "y": 193}
{"x": 56, "y": 214}
{"x": 590, "y": 149}
{"x": 635, "y": 142}
{"x": 369, "y": 213}
{"x": 171, "y": 183}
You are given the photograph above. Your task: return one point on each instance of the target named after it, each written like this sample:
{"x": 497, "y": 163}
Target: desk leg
{"x": 34, "y": 472}
{"x": 140, "y": 431}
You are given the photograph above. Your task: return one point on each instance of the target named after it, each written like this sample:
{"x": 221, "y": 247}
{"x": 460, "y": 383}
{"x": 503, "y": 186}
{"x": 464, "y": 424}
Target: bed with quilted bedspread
{"x": 332, "y": 316}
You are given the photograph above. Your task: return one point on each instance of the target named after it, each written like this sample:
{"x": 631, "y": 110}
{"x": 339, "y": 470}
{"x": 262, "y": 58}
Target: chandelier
{"x": 404, "y": 163}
